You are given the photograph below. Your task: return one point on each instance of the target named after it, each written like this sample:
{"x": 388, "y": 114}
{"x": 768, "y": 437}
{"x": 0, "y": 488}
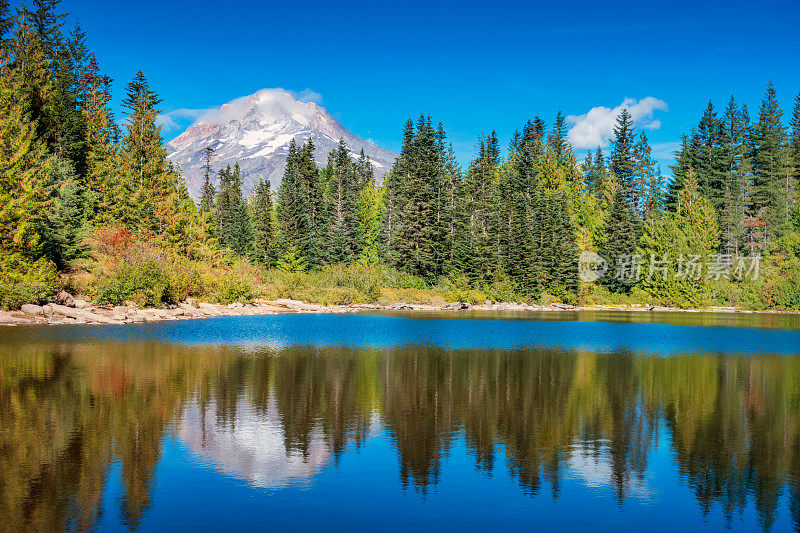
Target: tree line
{"x": 519, "y": 215}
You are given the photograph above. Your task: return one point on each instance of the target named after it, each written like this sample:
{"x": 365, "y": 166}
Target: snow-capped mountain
{"x": 256, "y": 130}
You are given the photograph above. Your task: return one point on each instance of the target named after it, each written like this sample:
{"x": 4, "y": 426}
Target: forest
{"x": 91, "y": 205}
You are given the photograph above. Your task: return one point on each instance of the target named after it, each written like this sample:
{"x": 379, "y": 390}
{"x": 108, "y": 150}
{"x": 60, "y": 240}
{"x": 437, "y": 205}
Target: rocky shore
{"x": 77, "y": 311}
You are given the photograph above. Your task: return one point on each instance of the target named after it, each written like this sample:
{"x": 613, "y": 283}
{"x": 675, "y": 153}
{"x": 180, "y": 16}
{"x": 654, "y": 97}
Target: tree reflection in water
{"x": 276, "y": 417}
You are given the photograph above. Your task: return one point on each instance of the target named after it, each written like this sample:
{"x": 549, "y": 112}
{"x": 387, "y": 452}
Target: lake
{"x": 392, "y": 421}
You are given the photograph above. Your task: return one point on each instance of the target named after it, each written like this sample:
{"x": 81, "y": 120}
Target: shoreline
{"x": 83, "y": 312}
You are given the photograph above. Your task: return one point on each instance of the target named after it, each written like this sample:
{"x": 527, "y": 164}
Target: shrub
{"x": 237, "y": 283}
{"x": 457, "y": 288}
{"x": 141, "y": 279}
{"x": 23, "y": 281}
{"x": 397, "y": 279}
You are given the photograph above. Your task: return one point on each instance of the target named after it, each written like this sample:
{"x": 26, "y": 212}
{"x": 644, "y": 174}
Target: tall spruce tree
{"x": 207, "y": 193}
{"x": 235, "y": 231}
{"x": 294, "y": 220}
{"x": 418, "y": 174}
{"x": 344, "y": 237}
{"x": 622, "y": 157}
{"x": 481, "y": 204}
{"x": 262, "y": 221}
{"x": 648, "y": 181}
{"x": 794, "y": 150}
{"x": 683, "y": 164}
{"x": 735, "y": 125}
{"x": 619, "y": 243}
{"x": 771, "y": 180}
{"x": 144, "y": 153}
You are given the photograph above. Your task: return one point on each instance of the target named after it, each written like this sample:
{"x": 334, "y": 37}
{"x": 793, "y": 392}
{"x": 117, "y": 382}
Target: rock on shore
{"x": 69, "y": 310}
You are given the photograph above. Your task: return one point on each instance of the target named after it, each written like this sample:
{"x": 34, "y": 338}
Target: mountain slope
{"x": 255, "y": 131}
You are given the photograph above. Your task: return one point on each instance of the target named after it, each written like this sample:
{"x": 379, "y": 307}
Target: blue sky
{"x": 475, "y": 66}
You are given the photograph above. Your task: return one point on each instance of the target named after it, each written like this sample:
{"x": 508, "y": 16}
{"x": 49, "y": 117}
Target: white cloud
{"x": 178, "y": 118}
{"x": 596, "y": 127}
{"x": 166, "y": 122}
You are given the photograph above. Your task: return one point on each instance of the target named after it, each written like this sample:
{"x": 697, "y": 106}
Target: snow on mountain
{"x": 256, "y": 130}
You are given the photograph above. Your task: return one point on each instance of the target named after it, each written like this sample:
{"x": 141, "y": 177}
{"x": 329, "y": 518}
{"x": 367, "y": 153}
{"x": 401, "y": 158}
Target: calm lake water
{"x": 452, "y": 421}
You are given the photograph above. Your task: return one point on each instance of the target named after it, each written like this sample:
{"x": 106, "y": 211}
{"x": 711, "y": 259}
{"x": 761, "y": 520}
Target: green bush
{"x": 141, "y": 279}
{"x": 235, "y": 284}
{"x": 397, "y": 279}
{"x": 23, "y": 282}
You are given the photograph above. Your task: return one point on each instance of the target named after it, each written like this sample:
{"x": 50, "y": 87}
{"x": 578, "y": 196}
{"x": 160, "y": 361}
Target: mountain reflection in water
{"x": 280, "y": 417}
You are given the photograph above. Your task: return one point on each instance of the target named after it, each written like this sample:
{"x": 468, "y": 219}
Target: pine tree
{"x": 619, "y": 244}
{"x": 263, "y": 223}
{"x": 6, "y": 25}
{"x": 684, "y": 159}
{"x": 26, "y": 192}
{"x": 235, "y": 231}
{"x": 344, "y": 242}
{"x": 418, "y": 174}
{"x": 708, "y": 163}
{"x": 207, "y": 193}
{"x": 144, "y": 154}
{"x": 649, "y": 183}
{"x": 293, "y": 210}
{"x": 794, "y": 150}
{"x": 622, "y": 158}
{"x": 736, "y": 178}
{"x": 482, "y": 206}
{"x": 771, "y": 181}
{"x": 557, "y": 139}
{"x": 107, "y": 190}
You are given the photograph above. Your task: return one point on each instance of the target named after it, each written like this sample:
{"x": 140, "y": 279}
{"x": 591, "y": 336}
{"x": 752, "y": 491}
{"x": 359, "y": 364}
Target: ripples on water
{"x": 385, "y": 422}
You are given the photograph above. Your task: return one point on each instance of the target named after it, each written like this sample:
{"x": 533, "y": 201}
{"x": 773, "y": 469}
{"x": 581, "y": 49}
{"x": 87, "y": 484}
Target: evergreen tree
{"x": 481, "y": 204}
{"x": 622, "y": 157}
{"x": 557, "y": 139}
{"x": 235, "y": 231}
{"x": 771, "y": 187}
{"x": 708, "y": 163}
{"x": 207, "y": 193}
{"x": 344, "y": 238}
{"x": 648, "y": 182}
{"x": 6, "y": 25}
{"x": 684, "y": 158}
{"x": 619, "y": 245}
{"x": 26, "y": 192}
{"x": 418, "y": 185}
{"x": 736, "y": 178}
{"x": 293, "y": 211}
{"x": 263, "y": 223}
{"x": 144, "y": 154}
{"x": 794, "y": 150}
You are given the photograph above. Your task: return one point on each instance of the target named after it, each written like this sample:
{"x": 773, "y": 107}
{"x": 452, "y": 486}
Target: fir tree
{"x": 26, "y": 189}
{"x": 293, "y": 209}
{"x": 794, "y": 150}
{"x": 481, "y": 203}
{"x": 735, "y": 125}
{"x": 648, "y": 182}
{"x": 144, "y": 153}
{"x": 344, "y": 239}
{"x": 207, "y": 193}
{"x": 619, "y": 244}
{"x": 771, "y": 182}
{"x": 684, "y": 159}
{"x": 622, "y": 157}
{"x": 263, "y": 223}
{"x": 235, "y": 231}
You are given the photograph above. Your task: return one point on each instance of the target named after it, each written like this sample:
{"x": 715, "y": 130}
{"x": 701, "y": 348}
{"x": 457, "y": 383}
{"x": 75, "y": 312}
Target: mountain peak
{"x": 256, "y": 130}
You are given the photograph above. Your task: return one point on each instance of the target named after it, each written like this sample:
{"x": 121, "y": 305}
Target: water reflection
{"x": 70, "y": 413}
